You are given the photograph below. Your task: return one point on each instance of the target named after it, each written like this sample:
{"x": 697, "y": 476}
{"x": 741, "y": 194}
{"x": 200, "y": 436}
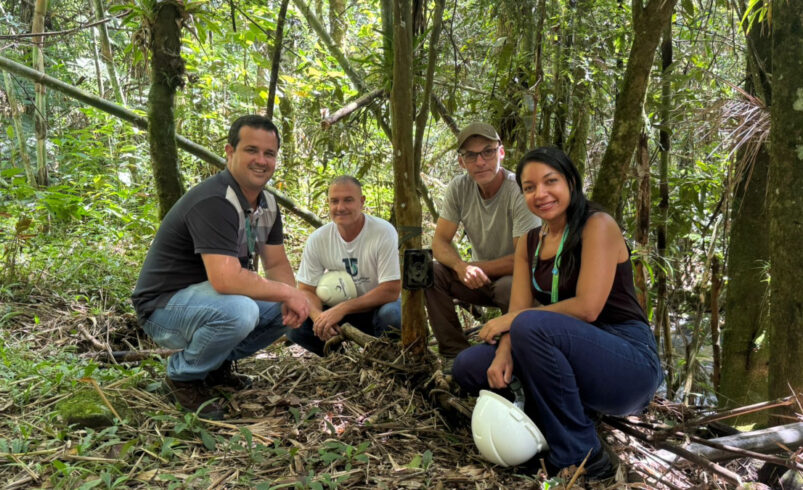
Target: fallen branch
{"x": 748, "y": 444}
{"x": 726, "y": 414}
{"x": 725, "y": 473}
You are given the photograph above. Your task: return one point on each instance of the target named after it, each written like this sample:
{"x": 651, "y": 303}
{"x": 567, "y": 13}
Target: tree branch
{"x": 142, "y": 123}
{"x": 347, "y": 109}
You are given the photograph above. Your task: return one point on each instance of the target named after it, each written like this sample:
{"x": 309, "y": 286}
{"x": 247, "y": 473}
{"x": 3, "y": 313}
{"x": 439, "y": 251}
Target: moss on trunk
{"x": 167, "y": 75}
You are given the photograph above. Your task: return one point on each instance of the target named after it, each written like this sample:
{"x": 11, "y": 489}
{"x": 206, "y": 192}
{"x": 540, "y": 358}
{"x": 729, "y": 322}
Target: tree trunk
{"x": 407, "y": 207}
{"x": 661, "y": 317}
{"x": 539, "y": 72}
{"x": 716, "y": 288}
{"x": 14, "y": 105}
{"x": 275, "y": 61}
{"x": 337, "y": 27}
{"x": 786, "y": 200}
{"x": 576, "y": 145}
{"x": 96, "y": 59}
{"x": 106, "y": 52}
{"x": 643, "y": 221}
{"x": 41, "y": 102}
{"x": 167, "y": 75}
{"x": 743, "y": 379}
{"x": 648, "y": 25}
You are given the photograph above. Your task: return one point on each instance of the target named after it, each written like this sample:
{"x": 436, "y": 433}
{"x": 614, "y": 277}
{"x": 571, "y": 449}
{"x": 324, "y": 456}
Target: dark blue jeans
{"x": 570, "y": 370}
{"x": 382, "y": 321}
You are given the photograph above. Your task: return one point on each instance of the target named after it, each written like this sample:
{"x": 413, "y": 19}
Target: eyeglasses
{"x": 471, "y": 156}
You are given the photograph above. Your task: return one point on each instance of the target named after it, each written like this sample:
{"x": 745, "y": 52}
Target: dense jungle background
{"x": 685, "y": 117}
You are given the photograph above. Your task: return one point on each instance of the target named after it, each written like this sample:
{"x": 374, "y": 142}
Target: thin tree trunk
{"x": 716, "y": 288}
{"x": 576, "y": 145}
{"x": 14, "y": 105}
{"x": 167, "y": 75}
{"x": 97, "y": 62}
{"x": 276, "y": 58}
{"x": 648, "y": 25}
{"x": 744, "y": 374}
{"x": 662, "y": 326}
{"x": 643, "y": 221}
{"x": 539, "y": 72}
{"x": 106, "y": 52}
{"x": 142, "y": 123}
{"x": 41, "y": 102}
{"x": 786, "y": 201}
{"x": 407, "y": 207}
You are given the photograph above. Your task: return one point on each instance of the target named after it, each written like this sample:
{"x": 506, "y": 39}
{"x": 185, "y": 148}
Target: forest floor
{"x": 360, "y": 418}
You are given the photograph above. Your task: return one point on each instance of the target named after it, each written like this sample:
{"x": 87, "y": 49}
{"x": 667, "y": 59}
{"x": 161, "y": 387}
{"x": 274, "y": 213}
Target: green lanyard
{"x": 555, "y": 272}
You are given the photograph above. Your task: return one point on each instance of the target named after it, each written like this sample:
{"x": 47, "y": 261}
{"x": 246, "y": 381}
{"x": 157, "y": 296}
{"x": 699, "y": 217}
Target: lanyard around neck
{"x": 251, "y": 240}
{"x": 555, "y": 266}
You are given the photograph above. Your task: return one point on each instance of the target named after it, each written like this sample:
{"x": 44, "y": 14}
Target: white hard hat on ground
{"x": 503, "y": 433}
{"x": 336, "y": 287}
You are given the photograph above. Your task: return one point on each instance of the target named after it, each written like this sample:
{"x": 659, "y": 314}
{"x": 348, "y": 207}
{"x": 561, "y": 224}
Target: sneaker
{"x": 192, "y": 394}
{"x": 227, "y": 376}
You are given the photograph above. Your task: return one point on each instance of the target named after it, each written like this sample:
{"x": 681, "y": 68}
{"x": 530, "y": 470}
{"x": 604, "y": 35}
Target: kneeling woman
{"x": 588, "y": 349}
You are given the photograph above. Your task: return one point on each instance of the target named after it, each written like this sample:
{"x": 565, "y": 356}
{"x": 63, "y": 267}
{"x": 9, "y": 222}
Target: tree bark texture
{"x": 786, "y": 199}
{"x": 406, "y": 205}
{"x": 648, "y": 25}
{"x": 40, "y": 116}
{"x": 142, "y": 123}
{"x": 167, "y": 76}
{"x": 744, "y": 374}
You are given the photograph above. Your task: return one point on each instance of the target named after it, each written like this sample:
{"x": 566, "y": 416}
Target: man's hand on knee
{"x": 472, "y": 276}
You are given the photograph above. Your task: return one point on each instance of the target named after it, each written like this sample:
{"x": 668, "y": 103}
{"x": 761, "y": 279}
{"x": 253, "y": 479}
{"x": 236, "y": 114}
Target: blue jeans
{"x": 212, "y": 328}
{"x": 571, "y": 370}
{"x": 385, "y": 320}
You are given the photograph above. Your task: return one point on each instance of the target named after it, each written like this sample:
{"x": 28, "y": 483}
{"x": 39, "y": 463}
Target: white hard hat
{"x": 503, "y": 433}
{"x": 336, "y": 287}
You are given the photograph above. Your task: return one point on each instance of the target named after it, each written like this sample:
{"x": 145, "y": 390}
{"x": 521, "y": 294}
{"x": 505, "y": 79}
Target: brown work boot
{"x": 226, "y": 375}
{"x": 192, "y": 394}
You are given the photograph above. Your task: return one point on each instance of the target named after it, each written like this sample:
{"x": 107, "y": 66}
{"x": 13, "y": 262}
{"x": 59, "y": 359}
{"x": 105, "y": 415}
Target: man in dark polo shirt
{"x": 199, "y": 289}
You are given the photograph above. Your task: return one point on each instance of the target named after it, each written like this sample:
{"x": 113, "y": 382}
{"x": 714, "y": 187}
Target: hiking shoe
{"x": 227, "y": 376}
{"x": 191, "y": 395}
{"x": 600, "y": 466}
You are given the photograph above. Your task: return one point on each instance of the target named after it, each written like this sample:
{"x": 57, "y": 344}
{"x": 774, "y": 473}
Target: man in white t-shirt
{"x": 488, "y": 203}
{"x": 364, "y": 246}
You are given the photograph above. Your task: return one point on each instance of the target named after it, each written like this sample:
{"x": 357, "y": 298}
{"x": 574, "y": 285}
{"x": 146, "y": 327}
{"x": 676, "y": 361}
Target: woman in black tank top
{"x": 588, "y": 347}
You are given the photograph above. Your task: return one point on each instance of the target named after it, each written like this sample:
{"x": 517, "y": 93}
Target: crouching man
{"x": 199, "y": 290}
{"x": 366, "y": 248}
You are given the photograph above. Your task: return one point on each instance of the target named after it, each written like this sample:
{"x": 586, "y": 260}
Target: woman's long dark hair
{"x": 580, "y": 208}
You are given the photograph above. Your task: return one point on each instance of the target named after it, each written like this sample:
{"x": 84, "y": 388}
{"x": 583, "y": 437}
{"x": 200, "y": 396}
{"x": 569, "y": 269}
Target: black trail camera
{"x": 418, "y": 273}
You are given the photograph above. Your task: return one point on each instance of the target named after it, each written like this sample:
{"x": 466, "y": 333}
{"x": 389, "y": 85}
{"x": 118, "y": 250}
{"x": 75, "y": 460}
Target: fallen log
{"x": 760, "y": 441}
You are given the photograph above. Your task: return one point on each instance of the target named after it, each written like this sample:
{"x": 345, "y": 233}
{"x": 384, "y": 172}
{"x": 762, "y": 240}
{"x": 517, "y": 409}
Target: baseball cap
{"x": 477, "y": 129}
